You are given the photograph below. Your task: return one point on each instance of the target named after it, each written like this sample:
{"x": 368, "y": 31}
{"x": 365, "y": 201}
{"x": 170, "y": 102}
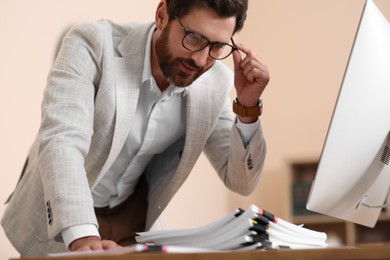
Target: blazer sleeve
{"x": 66, "y": 129}
{"x": 239, "y": 167}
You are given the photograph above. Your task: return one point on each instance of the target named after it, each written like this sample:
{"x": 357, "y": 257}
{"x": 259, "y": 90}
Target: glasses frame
{"x": 208, "y": 42}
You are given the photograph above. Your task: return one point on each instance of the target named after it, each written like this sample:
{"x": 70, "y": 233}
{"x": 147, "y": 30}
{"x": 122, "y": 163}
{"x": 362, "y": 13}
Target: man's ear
{"x": 161, "y": 15}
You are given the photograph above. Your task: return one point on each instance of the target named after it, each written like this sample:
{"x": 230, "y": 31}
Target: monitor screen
{"x": 354, "y": 172}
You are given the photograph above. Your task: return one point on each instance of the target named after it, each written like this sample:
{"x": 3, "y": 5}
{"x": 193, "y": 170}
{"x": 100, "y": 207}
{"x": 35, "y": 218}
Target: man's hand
{"x": 250, "y": 78}
{"x": 92, "y": 243}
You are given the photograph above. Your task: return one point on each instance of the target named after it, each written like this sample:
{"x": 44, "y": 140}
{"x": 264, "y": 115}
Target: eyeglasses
{"x": 196, "y": 42}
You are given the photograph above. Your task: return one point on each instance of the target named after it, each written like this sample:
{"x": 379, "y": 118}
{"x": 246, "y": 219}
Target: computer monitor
{"x": 353, "y": 174}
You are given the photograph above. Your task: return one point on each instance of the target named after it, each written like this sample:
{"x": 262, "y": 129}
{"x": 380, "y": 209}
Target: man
{"x": 126, "y": 113}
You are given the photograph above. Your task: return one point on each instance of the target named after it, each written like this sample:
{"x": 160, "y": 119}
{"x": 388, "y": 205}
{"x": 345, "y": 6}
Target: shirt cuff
{"x": 247, "y": 130}
{"x": 72, "y": 233}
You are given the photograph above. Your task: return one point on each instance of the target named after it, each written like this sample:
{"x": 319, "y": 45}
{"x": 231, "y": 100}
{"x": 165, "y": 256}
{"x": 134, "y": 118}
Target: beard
{"x": 170, "y": 66}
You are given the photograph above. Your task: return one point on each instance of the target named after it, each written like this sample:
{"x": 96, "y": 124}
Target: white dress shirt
{"x": 152, "y": 132}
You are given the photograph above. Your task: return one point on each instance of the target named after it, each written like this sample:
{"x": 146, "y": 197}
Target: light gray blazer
{"x": 87, "y": 111}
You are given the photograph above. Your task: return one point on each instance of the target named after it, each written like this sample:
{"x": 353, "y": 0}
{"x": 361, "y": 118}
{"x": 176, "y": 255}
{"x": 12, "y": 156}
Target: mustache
{"x": 190, "y": 63}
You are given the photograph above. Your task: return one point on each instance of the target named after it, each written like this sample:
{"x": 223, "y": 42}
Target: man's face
{"x": 170, "y": 65}
{"x": 179, "y": 65}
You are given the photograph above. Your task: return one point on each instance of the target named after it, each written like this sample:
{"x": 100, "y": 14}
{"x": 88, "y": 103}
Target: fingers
{"x": 237, "y": 60}
{"x": 109, "y": 244}
{"x": 253, "y": 69}
{"x": 90, "y": 247}
{"x": 92, "y": 244}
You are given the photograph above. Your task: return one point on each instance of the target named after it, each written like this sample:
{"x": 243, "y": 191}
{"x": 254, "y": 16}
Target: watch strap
{"x": 243, "y": 111}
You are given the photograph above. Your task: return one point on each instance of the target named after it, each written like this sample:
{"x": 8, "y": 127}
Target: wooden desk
{"x": 359, "y": 253}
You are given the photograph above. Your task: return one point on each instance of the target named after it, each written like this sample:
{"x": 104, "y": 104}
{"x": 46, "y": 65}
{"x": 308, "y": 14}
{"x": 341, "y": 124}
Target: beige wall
{"x": 304, "y": 42}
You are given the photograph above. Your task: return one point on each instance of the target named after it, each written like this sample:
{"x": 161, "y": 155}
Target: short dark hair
{"x": 223, "y": 8}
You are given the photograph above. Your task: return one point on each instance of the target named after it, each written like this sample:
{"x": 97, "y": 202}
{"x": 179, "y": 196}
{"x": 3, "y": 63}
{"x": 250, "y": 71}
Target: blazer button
{"x": 49, "y": 213}
{"x": 249, "y": 163}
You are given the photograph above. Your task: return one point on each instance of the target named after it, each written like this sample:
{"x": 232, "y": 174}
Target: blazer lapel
{"x": 198, "y": 122}
{"x": 127, "y": 76}
{"x": 198, "y": 126}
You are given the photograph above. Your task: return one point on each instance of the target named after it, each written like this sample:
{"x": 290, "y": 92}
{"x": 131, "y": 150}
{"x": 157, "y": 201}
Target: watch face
{"x": 260, "y": 102}
{"x": 261, "y": 105}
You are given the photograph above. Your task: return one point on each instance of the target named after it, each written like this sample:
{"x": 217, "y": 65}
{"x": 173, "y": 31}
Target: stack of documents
{"x": 241, "y": 230}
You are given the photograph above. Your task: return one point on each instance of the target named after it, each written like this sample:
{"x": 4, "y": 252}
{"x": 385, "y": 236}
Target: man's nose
{"x": 201, "y": 57}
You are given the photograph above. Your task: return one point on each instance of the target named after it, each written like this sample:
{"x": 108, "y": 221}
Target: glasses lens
{"x": 220, "y": 51}
{"x": 194, "y": 41}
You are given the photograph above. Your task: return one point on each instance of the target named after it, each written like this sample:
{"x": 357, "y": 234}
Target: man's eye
{"x": 195, "y": 37}
{"x": 219, "y": 46}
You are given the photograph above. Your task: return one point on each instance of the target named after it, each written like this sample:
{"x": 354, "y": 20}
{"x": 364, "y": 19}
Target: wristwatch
{"x": 242, "y": 111}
